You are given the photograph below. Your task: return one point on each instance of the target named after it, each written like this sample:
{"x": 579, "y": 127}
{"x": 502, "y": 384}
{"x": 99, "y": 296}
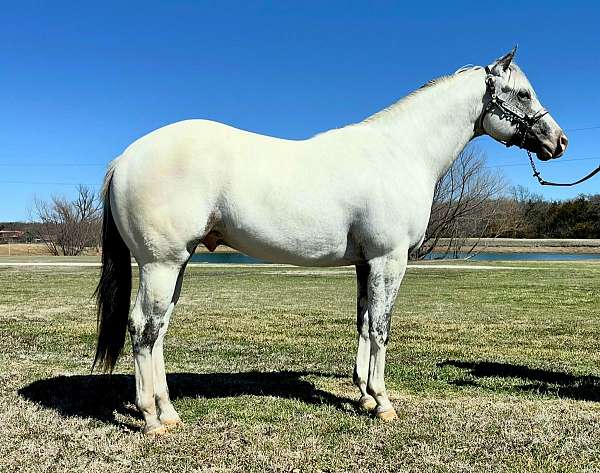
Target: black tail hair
{"x": 113, "y": 293}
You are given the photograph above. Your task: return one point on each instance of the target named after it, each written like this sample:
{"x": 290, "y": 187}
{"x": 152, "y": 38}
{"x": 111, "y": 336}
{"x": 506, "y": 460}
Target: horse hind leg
{"x": 148, "y": 324}
{"x": 167, "y": 414}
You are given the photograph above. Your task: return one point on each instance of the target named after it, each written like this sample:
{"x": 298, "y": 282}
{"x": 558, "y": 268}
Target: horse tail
{"x": 113, "y": 293}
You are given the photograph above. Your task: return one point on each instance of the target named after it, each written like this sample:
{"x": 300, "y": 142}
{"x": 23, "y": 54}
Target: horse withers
{"x": 360, "y": 195}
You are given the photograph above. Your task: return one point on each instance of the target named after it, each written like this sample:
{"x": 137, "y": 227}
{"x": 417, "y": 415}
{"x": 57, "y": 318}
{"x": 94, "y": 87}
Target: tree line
{"x": 573, "y": 218}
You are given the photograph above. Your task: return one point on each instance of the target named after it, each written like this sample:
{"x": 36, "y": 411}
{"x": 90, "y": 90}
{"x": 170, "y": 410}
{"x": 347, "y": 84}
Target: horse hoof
{"x": 171, "y": 423}
{"x": 367, "y": 403}
{"x": 156, "y": 430}
{"x": 387, "y": 416}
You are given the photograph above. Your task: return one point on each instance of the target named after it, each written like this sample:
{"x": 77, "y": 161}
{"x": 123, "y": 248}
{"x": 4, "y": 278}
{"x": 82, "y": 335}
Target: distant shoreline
{"x": 486, "y": 245}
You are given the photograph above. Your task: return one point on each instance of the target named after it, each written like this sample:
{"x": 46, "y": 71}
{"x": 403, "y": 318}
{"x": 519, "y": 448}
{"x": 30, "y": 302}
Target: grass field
{"x": 490, "y": 370}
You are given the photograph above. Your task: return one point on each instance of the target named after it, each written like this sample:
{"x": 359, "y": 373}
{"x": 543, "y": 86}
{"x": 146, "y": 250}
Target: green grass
{"x": 490, "y": 370}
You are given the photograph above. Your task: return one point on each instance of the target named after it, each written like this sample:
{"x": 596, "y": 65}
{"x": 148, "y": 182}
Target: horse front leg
{"x": 363, "y": 352}
{"x": 384, "y": 279}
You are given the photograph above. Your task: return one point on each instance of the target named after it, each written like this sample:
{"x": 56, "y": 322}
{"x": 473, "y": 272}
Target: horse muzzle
{"x": 548, "y": 150}
{"x": 561, "y": 146}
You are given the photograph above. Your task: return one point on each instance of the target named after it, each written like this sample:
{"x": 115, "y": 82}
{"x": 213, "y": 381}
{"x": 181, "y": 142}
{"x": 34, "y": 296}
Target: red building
{"x": 11, "y": 235}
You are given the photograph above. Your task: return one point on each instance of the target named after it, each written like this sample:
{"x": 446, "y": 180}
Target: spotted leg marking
{"x": 384, "y": 279}
{"x": 148, "y": 322}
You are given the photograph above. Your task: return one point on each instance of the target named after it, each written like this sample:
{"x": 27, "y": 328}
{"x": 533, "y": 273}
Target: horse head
{"x": 514, "y": 115}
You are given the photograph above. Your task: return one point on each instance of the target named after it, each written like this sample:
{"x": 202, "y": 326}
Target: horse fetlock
{"x": 151, "y": 421}
{"x": 377, "y": 390}
{"x": 168, "y": 415}
{"x": 383, "y": 404}
{"x": 367, "y": 403}
{"x": 146, "y": 404}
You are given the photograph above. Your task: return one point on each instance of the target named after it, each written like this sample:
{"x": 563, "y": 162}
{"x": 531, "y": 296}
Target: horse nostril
{"x": 561, "y": 146}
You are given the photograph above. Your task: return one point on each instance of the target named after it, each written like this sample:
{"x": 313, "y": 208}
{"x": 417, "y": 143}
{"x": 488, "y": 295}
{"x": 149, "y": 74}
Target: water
{"x": 231, "y": 258}
{"x": 238, "y": 258}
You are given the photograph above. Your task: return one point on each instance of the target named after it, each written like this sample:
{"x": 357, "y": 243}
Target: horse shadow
{"x": 101, "y": 397}
{"x": 538, "y": 381}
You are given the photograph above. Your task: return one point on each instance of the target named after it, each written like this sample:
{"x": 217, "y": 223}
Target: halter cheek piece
{"x": 525, "y": 123}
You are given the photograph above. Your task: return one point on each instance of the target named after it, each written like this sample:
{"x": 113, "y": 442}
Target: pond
{"x": 239, "y": 258}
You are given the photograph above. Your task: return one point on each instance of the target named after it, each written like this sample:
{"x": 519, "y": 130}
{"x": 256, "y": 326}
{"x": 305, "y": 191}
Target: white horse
{"x": 360, "y": 195}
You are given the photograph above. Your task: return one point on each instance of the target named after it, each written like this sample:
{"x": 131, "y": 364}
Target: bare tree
{"x": 468, "y": 202}
{"x": 68, "y": 227}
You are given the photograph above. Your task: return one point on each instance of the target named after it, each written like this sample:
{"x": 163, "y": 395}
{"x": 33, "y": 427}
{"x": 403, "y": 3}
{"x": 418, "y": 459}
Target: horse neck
{"x": 435, "y": 123}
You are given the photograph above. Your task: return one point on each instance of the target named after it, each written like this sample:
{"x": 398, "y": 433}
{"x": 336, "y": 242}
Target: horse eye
{"x": 523, "y": 95}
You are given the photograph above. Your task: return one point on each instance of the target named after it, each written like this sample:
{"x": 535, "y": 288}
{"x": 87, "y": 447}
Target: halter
{"x": 525, "y": 123}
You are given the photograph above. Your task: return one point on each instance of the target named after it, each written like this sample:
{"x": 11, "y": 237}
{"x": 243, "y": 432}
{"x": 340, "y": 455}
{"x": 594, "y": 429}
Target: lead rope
{"x": 544, "y": 182}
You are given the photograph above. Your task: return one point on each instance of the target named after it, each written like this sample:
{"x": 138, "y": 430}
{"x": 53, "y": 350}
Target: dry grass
{"x": 489, "y": 371}
{"x": 24, "y": 249}
{"x": 33, "y": 249}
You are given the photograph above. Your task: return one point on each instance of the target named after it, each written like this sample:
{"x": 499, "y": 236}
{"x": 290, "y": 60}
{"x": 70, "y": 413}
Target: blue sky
{"x": 79, "y": 81}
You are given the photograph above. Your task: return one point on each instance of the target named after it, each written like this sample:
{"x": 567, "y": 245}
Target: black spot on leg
{"x": 360, "y": 319}
{"x": 147, "y": 337}
{"x": 362, "y": 276}
{"x": 388, "y": 328}
{"x": 149, "y": 334}
{"x": 382, "y": 330}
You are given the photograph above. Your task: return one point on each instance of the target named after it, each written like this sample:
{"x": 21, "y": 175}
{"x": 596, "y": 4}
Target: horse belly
{"x": 286, "y": 246}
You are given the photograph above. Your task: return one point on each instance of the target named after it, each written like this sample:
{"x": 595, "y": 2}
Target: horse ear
{"x": 502, "y": 64}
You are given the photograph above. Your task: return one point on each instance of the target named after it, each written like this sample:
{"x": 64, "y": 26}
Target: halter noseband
{"x": 524, "y": 121}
